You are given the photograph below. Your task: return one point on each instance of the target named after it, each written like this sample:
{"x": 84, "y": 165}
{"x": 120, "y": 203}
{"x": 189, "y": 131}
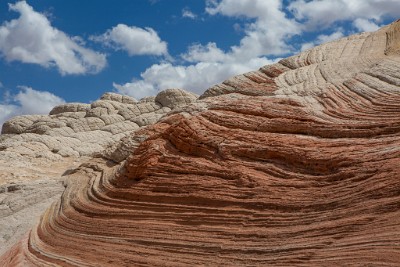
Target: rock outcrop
{"x": 77, "y": 129}
{"x": 297, "y": 163}
{"x": 38, "y": 151}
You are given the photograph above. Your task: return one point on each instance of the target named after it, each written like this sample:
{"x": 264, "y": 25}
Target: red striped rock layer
{"x": 304, "y": 172}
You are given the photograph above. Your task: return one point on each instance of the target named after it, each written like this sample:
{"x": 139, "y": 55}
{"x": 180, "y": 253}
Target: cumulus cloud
{"x": 267, "y": 34}
{"x": 196, "y": 77}
{"x": 321, "y": 39}
{"x": 32, "y": 39}
{"x": 187, "y": 13}
{"x": 27, "y": 101}
{"x": 137, "y": 88}
{"x": 6, "y": 112}
{"x": 207, "y": 53}
{"x": 133, "y": 40}
{"x": 316, "y": 13}
{"x": 365, "y": 25}
{"x": 36, "y": 102}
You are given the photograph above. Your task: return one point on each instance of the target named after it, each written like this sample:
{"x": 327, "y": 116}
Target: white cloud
{"x": 1, "y": 85}
{"x": 306, "y": 46}
{"x": 247, "y": 8}
{"x": 208, "y": 53}
{"x": 321, "y": 14}
{"x": 137, "y": 89}
{"x": 267, "y": 34}
{"x": 28, "y": 101}
{"x": 195, "y": 78}
{"x": 134, "y": 40}
{"x": 187, "y": 13}
{"x": 365, "y": 25}
{"x": 32, "y": 39}
{"x": 36, "y": 102}
{"x": 323, "y": 38}
{"x": 6, "y": 112}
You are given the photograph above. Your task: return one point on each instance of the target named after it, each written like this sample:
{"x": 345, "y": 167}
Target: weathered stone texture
{"x": 77, "y": 129}
{"x": 36, "y": 151}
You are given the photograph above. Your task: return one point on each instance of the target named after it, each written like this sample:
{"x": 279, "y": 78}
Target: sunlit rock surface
{"x": 297, "y": 163}
{"x": 37, "y": 152}
{"x": 77, "y": 129}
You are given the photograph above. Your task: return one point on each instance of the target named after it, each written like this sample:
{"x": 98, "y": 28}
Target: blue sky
{"x": 73, "y": 51}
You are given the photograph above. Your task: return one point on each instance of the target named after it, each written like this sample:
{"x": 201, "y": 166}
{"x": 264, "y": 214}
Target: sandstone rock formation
{"x": 38, "y": 151}
{"x": 297, "y": 163}
{"x": 77, "y": 129}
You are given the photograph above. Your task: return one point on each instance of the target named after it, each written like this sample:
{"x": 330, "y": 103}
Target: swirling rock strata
{"x": 37, "y": 152}
{"x": 295, "y": 164}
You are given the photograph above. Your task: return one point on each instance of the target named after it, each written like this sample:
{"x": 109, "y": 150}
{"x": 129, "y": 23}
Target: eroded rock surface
{"x": 295, "y": 164}
{"x": 76, "y": 129}
{"x": 38, "y": 151}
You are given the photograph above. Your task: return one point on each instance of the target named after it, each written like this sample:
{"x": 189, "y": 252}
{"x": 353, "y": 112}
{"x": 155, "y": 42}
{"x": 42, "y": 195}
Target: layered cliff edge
{"x": 297, "y": 163}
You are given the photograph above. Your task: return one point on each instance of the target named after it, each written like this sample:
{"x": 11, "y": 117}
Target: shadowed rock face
{"x": 295, "y": 164}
